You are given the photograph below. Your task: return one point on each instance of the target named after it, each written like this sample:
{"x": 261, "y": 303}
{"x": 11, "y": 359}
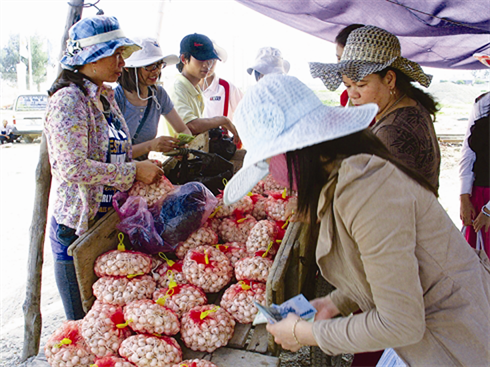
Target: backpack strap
{"x": 225, "y": 85}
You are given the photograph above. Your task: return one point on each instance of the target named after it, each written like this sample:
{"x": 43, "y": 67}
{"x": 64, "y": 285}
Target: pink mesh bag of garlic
{"x": 244, "y": 205}
{"x": 234, "y": 251}
{"x": 203, "y": 236}
{"x": 122, "y": 290}
{"x": 104, "y": 328}
{"x": 66, "y": 347}
{"x": 255, "y": 268}
{"x": 180, "y": 298}
{"x": 264, "y": 236}
{"x": 151, "y": 193}
{"x": 147, "y": 317}
{"x": 236, "y": 228}
{"x": 269, "y": 184}
{"x": 195, "y": 363}
{"x": 169, "y": 270}
{"x": 239, "y": 299}
{"x": 278, "y": 206}
{"x": 207, "y": 328}
{"x": 150, "y": 351}
{"x": 122, "y": 263}
{"x": 112, "y": 362}
{"x": 208, "y": 268}
{"x": 258, "y": 211}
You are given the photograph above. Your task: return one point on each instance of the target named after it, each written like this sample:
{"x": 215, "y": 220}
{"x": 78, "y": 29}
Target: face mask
{"x": 278, "y": 168}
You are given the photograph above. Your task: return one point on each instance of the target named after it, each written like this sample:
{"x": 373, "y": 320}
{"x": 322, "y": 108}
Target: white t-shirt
{"x": 214, "y": 99}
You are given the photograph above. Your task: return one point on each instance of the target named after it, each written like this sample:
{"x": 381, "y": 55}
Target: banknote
{"x": 298, "y": 305}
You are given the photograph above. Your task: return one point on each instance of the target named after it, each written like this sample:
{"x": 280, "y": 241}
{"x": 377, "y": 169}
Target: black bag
{"x": 208, "y": 168}
{"x": 221, "y": 144}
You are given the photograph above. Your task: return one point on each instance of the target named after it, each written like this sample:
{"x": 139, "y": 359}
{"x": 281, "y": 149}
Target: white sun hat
{"x": 269, "y": 61}
{"x": 149, "y": 54}
{"x": 222, "y": 54}
{"x": 281, "y": 114}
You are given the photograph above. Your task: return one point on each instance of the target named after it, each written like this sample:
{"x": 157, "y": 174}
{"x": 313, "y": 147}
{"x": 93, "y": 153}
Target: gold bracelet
{"x": 294, "y": 329}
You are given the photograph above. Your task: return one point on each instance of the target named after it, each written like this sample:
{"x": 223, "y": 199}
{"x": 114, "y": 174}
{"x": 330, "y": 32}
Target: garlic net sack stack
{"x": 207, "y": 268}
{"x": 195, "y": 363}
{"x": 148, "y": 317}
{"x": 180, "y": 298}
{"x": 239, "y": 299}
{"x": 258, "y": 211}
{"x": 151, "y": 193}
{"x": 234, "y": 251}
{"x": 255, "y": 268}
{"x": 112, "y": 362}
{"x": 151, "y": 351}
{"x": 207, "y": 328}
{"x": 66, "y": 347}
{"x": 203, "y": 236}
{"x": 237, "y": 227}
{"x": 122, "y": 290}
{"x": 245, "y": 205}
{"x": 122, "y": 263}
{"x": 169, "y": 271}
{"x": 264, "y": 236}
{"x": 104, "y": 328}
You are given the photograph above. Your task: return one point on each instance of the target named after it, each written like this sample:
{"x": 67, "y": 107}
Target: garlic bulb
{"x": 239, "y": 299}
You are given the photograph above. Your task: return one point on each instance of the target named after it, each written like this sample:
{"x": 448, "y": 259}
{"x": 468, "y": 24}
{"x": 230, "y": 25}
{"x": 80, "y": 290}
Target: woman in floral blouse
{"x": 89, "y": 149}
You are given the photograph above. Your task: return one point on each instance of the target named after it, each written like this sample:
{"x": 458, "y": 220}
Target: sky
{"x": 238, "y": 29}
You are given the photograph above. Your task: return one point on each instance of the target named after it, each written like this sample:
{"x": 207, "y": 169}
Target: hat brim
{"x": 321, "y": 124}
{"x": 99, "y": 51}
{"x": 211, "y": 55}
{"x": 267, "y": 69}
{"x": 169, "y": 60}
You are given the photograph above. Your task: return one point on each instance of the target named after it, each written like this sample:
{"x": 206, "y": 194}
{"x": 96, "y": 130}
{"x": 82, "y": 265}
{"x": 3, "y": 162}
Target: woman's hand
{"x": 466, "y": 212}
{"x": 482, "y": 221}
{"x": 148, "y": 172}
{"x": 325, "y": 308}
{"x": 282, "y": 332}
{"x": 164, "y": 144}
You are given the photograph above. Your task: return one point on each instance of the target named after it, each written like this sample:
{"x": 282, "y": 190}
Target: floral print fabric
{"x": 77, "y": 135}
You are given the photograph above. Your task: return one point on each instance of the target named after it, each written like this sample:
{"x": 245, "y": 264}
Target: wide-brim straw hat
{"x": 93, "y": 38}
{"x": 150, "y": 53}
{"x": 281, "y": 114}
{"x": 369, "y": 49}
{"x": 269, "y": 60}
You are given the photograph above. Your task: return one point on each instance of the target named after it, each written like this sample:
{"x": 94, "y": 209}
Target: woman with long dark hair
{"x": 384, "y": 241}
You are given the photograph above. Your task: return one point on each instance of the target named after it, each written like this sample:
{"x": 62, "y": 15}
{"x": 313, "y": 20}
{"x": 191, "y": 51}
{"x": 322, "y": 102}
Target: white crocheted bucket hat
{"x": 269, "y": 61}
{"x": 150, "y": 53}
{"x": 281, "y": 114}
{"x": 369, "y": 49}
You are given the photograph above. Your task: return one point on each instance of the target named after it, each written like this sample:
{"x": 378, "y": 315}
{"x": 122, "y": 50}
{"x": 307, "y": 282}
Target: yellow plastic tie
{"x": 284, "y": 193}
{"x": 171, "y": 282}
{"x": 62, "y": 342}
{"x": 206, "y": 258}
{"x": 183, "y": 365}
{"x": 219, "y": 247}
{"x": 241, "y": 220}
{"x": 205, "y": 314}
{"x": 215, "y": 211}
{"x": 278, "y": 241}
{"x": 161, "y": 301}
{"x": 225, "y": 182}
{"x": 287, "y": 222}
{"x": 249, "y": 193}
{"x": 268, "y": 249}
{"x": 244, "y": 285}
{"x": 122, "y": 326}
{"x": 131, "y": 276}
{"x": 157, "y": 335}
{"x": 120, "y": 246}
{"x": 164, "y": 257}
{"x": 93, "y": 365}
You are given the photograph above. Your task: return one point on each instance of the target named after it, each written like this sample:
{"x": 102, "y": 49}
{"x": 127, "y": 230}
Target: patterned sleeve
{"x": 68, "y": 125}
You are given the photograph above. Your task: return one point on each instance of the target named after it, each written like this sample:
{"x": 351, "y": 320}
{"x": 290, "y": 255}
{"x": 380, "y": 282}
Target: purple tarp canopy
{"x": 434, "y": 33}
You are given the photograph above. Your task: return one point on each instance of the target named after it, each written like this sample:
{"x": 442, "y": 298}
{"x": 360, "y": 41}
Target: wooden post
{"x": 32, "y": 303}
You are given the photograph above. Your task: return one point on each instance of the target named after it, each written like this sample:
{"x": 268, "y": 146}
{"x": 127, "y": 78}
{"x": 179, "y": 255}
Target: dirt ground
{"x": 17, "y": 167}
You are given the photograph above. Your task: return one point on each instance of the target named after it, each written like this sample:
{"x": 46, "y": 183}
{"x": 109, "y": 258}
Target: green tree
{"x": 10, "y": 56}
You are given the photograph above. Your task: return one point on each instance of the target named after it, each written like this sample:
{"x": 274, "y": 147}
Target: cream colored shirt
{"x": 188, "y": 100}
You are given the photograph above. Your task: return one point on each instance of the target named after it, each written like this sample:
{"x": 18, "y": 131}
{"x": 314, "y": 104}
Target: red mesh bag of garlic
{"x": 66, "y": 347}
{"x": 278, "y": 206}
{"x": 169, "y": 270}
{"x": 151, "y": 193}
{"x": 271, "y": 185}
{"x": 258, "y": 188}
{"x": 122, "y": 290}
{"x": 258, "y": 211}
{"x": 180, "y": 298}
{"x": 147, "y": 317}
{"x": 236, "y": 228}
{"x": 122, "y": 263}
{"x": 151, "y": 351}
{"x": 213, "y": 223}
{"x": 244, "y": 205}
{"x": 234, "y": 251}
{"x": 203, "y": 236}
{"x": 239, "y": 299}
{"x": 112, "y": 362}
{"x": 265, "y": 236}
{"x": 207, "y": 328}
{"x": 208, "y": 268}
{"x": 254, "y": 268}
{"x": 104, "y": 328}
{"x": 195, "y": 363}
